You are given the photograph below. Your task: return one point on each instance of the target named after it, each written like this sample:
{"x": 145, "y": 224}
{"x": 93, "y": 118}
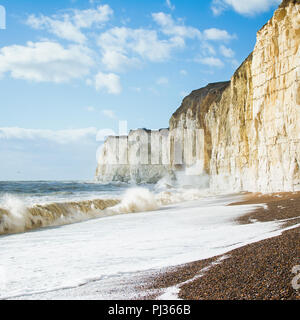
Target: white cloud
{"x": 218, "y": 6}
{"x": 249, "y": 7}
{"x": 63, "y": 29}
{"x": 59, "y": 136}
{"x": 45, "y": 62}
{"x": 89, "y": 17}
{"x": 162, "y": 81}
{"x": 170, "y": 5}
{"x": 227, "y": 52}
{"x": 217, "y": 35}
{"x": 109, "y": 82}
{"x": 123, "y": 46}
{"x": 117, "y": 61}
{"x": 208, "y": 49}
{"x": 211, "y": 61}
{"x": 109, "y": 113}
{"x": 183, "y": 72}
{"x": 68, "y": 26}
{"x": 171, "y": 28}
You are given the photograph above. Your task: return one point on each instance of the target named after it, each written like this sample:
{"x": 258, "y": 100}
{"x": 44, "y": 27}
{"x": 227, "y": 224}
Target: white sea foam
{"x": 16, "y": 219}
{"x": 136, "y": 200}
{"x": 117, "y": 247}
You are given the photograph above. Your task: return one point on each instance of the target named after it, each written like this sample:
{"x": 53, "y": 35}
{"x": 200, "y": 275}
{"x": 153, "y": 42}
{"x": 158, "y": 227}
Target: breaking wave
{"x": 16, "y": 217}
{"x": 137, "y": 200}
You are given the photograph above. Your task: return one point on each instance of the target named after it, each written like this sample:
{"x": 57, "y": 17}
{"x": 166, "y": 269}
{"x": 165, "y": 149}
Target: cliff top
{"x": 203, "y": 97}
{"x": 285, "y": 3}
{"x": 216, "y": 86}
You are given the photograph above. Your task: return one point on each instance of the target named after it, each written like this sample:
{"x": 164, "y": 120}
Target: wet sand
{"x": 259, "y": 271}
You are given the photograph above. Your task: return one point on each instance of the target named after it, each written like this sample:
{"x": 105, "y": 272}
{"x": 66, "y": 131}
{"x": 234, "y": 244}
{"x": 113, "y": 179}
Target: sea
{"x": 86, "y": 240}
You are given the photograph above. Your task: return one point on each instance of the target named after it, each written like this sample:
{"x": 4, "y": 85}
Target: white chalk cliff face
{"x": 244, "y": 133}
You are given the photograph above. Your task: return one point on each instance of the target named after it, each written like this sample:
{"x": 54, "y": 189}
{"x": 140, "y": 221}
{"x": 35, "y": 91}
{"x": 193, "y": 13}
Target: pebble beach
{"x": 259, "y": 271}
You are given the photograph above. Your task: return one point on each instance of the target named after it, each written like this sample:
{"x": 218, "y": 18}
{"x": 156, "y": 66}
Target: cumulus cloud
{"x": 249, "y": 7}
{"x": 218, "y": 7}
{"x": 68, "y": 26}
{"x": 208, "y": 49}
{"x": 217, "y": 35}
{"x": 59, "y": 136}
{"x": 117, "y": 61}
{"x": 121, "y": 46}
{"x": 210, "y": 61}
{"x": 172, "y": 28}
{"x": 64, "y": 29}
{"x": 109, "y": 82}
{"x": 45, "y": 62}
{"x": 88, "y": 18}
{"x": 227, "y": 52}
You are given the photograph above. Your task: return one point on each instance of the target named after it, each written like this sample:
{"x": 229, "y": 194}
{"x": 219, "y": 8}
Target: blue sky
{"x": 69, "y": 68}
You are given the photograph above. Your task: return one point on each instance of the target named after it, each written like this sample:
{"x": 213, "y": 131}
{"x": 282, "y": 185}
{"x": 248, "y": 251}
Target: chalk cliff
{"x": 141, "y": 157}
{"x": 245, "y": 133}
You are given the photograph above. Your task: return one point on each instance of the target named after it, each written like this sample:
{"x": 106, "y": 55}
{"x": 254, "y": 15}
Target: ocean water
{"x": 33, "y": 204}
{"x": 30, "y": 205}
{"x": 52, "y": 191}
{"x": 148, "y": 228}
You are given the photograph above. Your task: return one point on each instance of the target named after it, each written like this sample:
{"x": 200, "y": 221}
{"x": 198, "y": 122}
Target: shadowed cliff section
{"x": 199, "y": 101}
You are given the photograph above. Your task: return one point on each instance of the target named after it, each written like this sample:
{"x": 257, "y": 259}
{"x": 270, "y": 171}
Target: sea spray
{"x": 13, "y": 215}
{"x": 137, "y": 200}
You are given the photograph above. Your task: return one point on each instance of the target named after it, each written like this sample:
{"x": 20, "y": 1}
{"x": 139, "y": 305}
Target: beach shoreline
{"x": 258, "y": 271}
{"x": 241, "y": 268}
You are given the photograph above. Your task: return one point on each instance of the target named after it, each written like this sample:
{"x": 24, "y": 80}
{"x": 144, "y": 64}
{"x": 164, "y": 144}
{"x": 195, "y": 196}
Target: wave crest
{"x": 137, "y": 200}
{"x": 16, "y": 217}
